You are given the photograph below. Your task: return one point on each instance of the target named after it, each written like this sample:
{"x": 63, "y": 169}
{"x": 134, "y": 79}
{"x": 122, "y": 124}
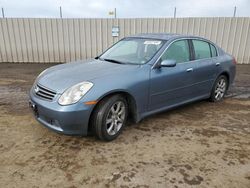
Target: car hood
{"x": 61, "y": 77}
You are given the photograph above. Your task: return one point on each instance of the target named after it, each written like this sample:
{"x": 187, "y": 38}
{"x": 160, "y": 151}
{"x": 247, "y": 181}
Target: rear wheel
{"x": 219, "y": 89}
{"x": 110, "y": 117}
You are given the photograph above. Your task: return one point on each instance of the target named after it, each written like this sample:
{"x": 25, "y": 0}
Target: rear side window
{"x": 178, "y": 51}
{"x": 213, "y": 50}
{"x": 201, "y": 49}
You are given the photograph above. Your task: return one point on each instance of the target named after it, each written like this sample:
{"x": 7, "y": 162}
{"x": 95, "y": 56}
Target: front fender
{"x": 135, "y": 83}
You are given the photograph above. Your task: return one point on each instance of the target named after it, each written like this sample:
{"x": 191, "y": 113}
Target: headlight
{"x": 75, "y": 93}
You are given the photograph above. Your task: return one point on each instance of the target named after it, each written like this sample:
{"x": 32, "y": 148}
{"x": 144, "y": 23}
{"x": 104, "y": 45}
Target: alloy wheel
{"x": 220, "y": 89}
{"x": 115, "y": 117}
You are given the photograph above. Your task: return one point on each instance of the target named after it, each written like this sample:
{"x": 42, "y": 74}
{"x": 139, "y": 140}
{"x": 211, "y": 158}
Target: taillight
{"x": 234, "y": 61}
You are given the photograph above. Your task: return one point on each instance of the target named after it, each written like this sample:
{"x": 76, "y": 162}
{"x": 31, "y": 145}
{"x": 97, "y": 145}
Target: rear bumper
{"x": 70, "y": 120}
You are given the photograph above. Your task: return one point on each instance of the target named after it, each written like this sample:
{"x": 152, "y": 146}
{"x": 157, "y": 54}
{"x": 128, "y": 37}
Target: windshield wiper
{"x": 114, "y": 61}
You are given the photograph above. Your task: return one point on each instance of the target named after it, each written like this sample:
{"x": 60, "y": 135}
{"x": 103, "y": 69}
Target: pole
{"x": 60, "y": 12}
{"x": 174, "y": 12}
{"x": 235, "y": 11}
{"x": 3, "y": 13}
{"x": 115, "y": 13}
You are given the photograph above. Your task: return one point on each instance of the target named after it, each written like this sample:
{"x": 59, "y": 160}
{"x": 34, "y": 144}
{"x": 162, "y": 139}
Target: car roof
{"x": 163, "y": 36}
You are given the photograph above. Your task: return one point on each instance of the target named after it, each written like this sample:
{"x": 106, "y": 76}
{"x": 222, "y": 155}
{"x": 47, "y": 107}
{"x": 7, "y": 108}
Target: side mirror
{"x": 168, "y": 63}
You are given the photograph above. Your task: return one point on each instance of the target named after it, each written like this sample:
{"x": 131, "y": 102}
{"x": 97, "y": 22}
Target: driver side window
{"x": 178, "y": 51}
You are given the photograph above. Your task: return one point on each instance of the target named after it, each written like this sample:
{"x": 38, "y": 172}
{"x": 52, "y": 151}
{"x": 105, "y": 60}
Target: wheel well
{"x": 132, "y": 107}
{"x": 227, "y": 76}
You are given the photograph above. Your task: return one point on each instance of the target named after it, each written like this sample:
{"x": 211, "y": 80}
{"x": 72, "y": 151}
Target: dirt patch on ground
{"x": 199, "y": 145}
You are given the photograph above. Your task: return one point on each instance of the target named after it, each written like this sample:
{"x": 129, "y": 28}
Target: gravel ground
{"x": 199, "y": 145}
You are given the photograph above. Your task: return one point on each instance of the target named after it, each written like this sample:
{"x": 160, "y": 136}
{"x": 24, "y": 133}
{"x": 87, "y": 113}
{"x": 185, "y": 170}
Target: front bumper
{"x": 70, "y": 120}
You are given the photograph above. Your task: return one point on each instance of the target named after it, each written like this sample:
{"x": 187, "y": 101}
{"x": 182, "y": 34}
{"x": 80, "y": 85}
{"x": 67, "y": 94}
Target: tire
{"x": 219, "y": 89}
{"x": 108, "y": 121}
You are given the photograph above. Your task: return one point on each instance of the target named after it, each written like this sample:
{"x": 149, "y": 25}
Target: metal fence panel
{"x": 44, "y": 40}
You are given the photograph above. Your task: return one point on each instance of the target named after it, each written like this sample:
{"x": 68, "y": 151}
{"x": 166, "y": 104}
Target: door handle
{"x": 217, "y": 64}
{"x": 190, "y": 70}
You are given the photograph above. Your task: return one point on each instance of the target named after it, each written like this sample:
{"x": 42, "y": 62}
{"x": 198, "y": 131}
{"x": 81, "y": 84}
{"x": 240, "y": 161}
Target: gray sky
{"x": 125, "y": 8}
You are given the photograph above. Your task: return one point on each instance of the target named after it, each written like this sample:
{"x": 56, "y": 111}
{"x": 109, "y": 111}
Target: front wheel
{"x": 219, "y": 89}
{"x": 110, "y": 117}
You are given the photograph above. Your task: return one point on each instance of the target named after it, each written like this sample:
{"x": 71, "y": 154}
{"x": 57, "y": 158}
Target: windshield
{"x": 132, "y": 51}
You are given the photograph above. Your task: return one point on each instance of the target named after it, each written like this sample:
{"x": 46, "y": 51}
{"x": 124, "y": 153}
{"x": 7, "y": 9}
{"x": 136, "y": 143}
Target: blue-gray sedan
{"x": 136, "y": 77}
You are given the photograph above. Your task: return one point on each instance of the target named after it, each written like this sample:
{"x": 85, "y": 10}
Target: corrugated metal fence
{"x": 63, "y": 40}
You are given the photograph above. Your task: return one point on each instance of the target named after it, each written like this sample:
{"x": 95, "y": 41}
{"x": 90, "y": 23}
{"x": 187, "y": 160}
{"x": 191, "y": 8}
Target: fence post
{"x": 3, "y": 12}
{"x": 235, "y": 11}
{"x": 174, "y": 12}
{"x": 60, "y": 12}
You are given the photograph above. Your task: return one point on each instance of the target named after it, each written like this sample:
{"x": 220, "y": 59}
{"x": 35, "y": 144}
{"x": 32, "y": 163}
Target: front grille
{"x": 44, "y": 93}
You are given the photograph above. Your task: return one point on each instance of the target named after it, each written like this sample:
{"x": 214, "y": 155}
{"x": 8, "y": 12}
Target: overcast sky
{"x": 125, "y": 8}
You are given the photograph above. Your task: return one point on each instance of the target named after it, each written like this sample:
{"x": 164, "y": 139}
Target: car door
{"x": 206, "y": 66}
{"x": 171, "y": 86}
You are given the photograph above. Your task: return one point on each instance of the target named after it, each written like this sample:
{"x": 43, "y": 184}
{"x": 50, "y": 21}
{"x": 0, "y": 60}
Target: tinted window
{"x": 213, "y": 50}
{"x": 201, "y": 49}
{"x": 178, "y": 51}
